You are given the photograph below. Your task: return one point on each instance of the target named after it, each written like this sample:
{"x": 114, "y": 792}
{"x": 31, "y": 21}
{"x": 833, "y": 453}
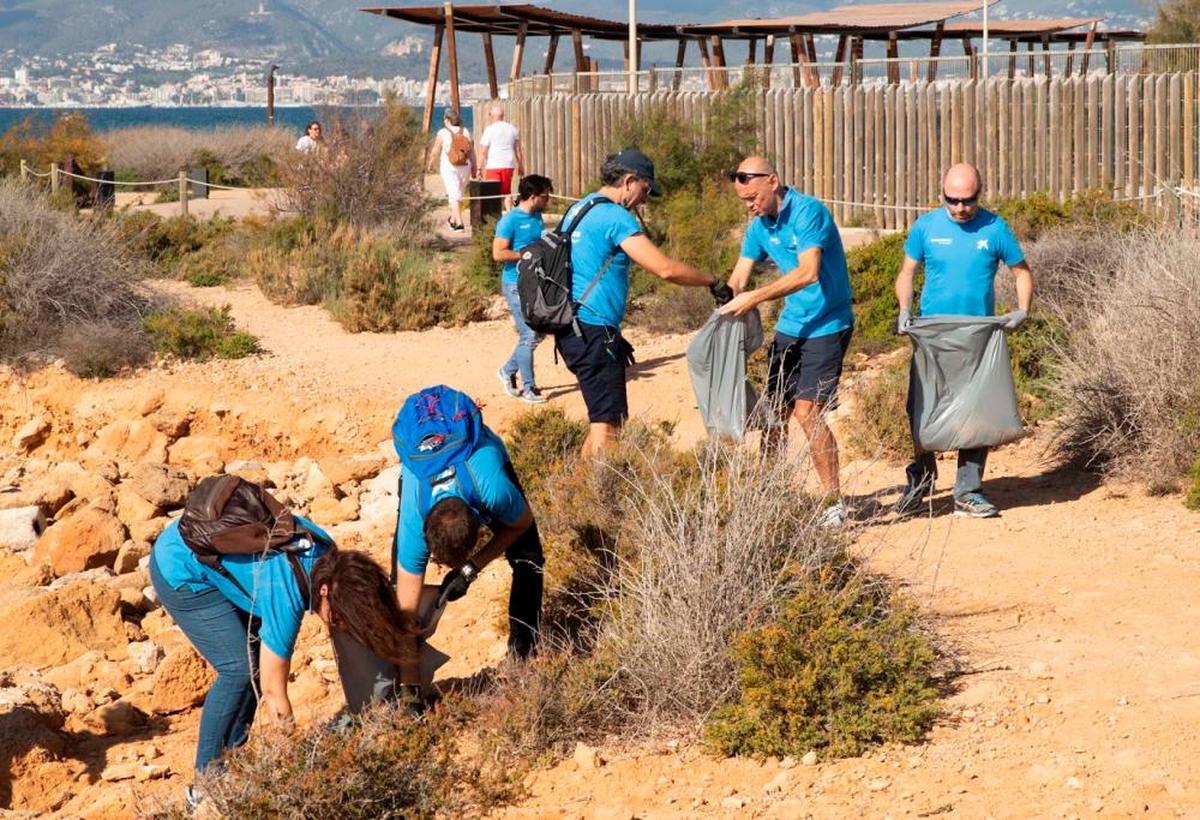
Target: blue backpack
{"x": 436, "y": 431}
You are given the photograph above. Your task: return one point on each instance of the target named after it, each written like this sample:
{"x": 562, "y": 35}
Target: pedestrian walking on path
{"x": 454, "y": 154}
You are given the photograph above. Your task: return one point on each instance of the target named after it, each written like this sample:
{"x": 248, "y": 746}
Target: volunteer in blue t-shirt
{"x": 804, "y": 363}
{"x": 244, "y": 614}
{"x": 449, "y": 535}
{"x": 604, "y": 244}
{"x": 961, "y": 246}
{"x": 518, "y": 228}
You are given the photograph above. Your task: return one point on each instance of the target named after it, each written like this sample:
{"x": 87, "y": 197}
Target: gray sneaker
{"x": 913, "y": 500}
{"x": 509, "y": 380}
{"x": 974, "y": 505}
{"x": 531, "y": 395}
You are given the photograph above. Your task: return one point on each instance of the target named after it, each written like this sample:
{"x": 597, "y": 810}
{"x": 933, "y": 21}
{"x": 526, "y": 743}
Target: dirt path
{"x": 1073, "y": 613}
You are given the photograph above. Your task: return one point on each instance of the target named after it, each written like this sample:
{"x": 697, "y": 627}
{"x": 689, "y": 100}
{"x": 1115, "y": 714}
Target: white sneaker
{"x": 834, "y": 516}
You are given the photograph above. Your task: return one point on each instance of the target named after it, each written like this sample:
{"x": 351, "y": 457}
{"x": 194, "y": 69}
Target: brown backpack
{"x": 460, "y": 147}
{"x": 228, "y": 515}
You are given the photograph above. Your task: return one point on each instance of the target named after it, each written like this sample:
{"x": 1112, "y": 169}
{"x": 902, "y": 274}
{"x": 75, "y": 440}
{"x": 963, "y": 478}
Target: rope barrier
{"x": 115, "y": 182}
{"x": 34, "y": 173}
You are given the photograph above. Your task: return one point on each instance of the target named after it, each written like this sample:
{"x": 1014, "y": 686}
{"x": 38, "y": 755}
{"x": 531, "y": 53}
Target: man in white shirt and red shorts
{"x": 502, "y": 154}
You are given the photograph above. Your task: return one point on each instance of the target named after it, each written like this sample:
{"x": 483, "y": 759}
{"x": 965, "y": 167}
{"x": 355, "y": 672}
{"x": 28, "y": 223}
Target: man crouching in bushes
{"x": 455, "y": 476}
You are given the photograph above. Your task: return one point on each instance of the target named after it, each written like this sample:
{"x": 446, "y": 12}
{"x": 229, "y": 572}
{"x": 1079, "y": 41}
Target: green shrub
{"x": 1032, "y": 216}
{"x": 168, "y": 243}
{"x": 1033, "y": 351}
{"x": 540, "y": 443}
{"x": 842, "y": 668}
{"x": 873, "y": 268}
{"x": 479, "y": 269}
{"x": 879, "y": 426}
{"x": 1191, "y": 498}
{"x": 200, "y": 333}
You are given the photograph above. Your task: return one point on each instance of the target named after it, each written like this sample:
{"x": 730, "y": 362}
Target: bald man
{"x": 961, "y": 246}
{"x": 502, "y": 154}
{"x": 798, "y": 234}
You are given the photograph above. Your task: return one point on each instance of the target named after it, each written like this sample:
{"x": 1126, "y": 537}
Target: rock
{"x": 118, "y": 772}
{"x": 75, "y": 702}
{"x": 377, "y": 509}
{"x": 1074, "y": 783}
{"x": 49, "y": 493}
{"x": 200, "y": 455}
{"x": 341, "y": 470}
{"x": 129, "y": 442}
{"x": 778, "y": 783}
{"x": 328, "y": 511}
{"x": 31, "y": 435}
{"x": 20, "y": 528}
{"x": 788, "y": 762}
{"x": 144, "y": 656}
{"x": 734, "y": 803}
{"x": 97, "y": 575}
{"x": 58, "y": 625}
{"x": 132, "y": 508}
{"x": 117, "y": 718}
{"x": 129, "y": 555}
{"x": 148, "y": 531}
{"x": 810, "y": 758}
{"x": 386, "y": 482}
{"x": 160, "y": 485}
{"x": 87, "y": 538}
{"x": 82, "y": 483}
{"x": 878, "y": 784}
{"x": 182, "y": 680}
{"x": 150, "y": 771}
{"x": 172, "y": 425}
{"x": 313, "y": 483}
{"x": 253, "y": 471}
{"x": 586, "y": 757}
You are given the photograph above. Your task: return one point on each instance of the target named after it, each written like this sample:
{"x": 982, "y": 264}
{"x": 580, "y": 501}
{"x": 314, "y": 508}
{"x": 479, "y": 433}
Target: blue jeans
{"x": 521, "y": 359}
{"x": 968, "y": 478}
{"x": 219, "y": 632}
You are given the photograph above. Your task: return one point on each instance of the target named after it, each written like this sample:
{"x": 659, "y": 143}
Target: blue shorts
{"x": 806, "y": 369}
{"x": 598, "y": 358}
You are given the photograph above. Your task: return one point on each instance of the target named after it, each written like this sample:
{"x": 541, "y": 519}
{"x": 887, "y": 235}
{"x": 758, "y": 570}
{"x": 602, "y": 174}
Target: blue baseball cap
{"x": 640, "y": 164}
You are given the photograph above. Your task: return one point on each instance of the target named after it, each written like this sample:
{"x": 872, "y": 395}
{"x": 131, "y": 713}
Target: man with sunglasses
{"x": 961, "y": 246}
{"x": 604, "y": 244}
{"x": 804, "y": 362}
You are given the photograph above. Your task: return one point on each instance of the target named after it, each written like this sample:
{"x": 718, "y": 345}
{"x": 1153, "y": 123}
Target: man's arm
{"x": 434, "y": 150}
{"x": 273, "y": 677}
{"x": 806, "y": 272}
{"x": 1024, "y": 283}
{"x": 483, "y": 155}
{"x": 503, "y": 537}
{"x": 519, "y": 152}
{"x": 904, "y": 282}
{"x": 647, "y": 254}
{"x": 502, "y": 252}
{"x": 740, "y": 278}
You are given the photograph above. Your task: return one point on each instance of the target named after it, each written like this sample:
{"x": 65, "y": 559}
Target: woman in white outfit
{"x": 454, "y": 173}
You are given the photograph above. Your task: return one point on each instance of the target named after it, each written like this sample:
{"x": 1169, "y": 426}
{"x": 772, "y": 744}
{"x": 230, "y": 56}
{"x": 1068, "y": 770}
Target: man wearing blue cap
{"x": 604, "y": 244}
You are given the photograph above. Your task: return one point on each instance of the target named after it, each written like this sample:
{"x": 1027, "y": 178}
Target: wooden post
{"x": 706, "y": 61}
{"x": 435, "y": 60}
{"x": 1088, "y": 43}
{"x": 680, "y": 54}
{"x": 1070, "y": 60}
{"x": 1012, "y": 59}
{"x": 814, "y": 70}
{"x": 893, "y": 53}
{"x": 1110, "y": 55}
{"x": 768, "y": 59}
{"x": 518, "y": 52}
{"x": 798, "y": 79}
{"x": 718, "y": 53}
{"x": 1046, "y": 56}
{"x": 551, "y": 53}
{"x": 54, "y": 181}
{"x": 452, "y": 56}
{"x": 752, "y": 51}
{"x": 935, "y": 49}
{"x": 24, "y": 171}
{"x": 1030, "y": 48}
{"x": 183, "y": 193}
{"x": 580, "y": 57}
{"x": 969, "y": 53}
{"x": 489, "y": 59}
{"x": 839, "y": 57}
{"x": 856, "y": 55}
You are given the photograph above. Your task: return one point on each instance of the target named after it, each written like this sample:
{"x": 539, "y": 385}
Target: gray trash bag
{"x": 960, "y": 392}
{"x": 717, "y": 365}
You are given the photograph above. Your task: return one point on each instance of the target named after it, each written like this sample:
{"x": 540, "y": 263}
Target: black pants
{"x": 528, "y": 583}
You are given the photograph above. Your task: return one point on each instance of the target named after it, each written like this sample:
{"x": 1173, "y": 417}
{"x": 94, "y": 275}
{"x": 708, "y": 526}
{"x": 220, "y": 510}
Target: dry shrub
{"x": 58, "y": 272}
{"x": 69, "y": 136}
{"x": 98, "y": 350}
{"x": 1129, "y": 375}
{"x": 367, "y": 172}
{"x": 369, "y": 280}
{"x": 879, "y": 425}
{"x": 233, "y": 156}
{"x": 388, "y": 764}
{"x": 673, "y": 310}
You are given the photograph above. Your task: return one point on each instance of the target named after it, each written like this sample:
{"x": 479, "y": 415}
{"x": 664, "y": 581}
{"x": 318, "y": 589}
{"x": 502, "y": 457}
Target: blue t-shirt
{"x": 270, "y": 580}
{"x": 520, "y": 229}
{"x": 960, "y": 261}
{"x": 803, "y": 223}
{"x": 500, "y": 498}
{"x": 598, "y": 237}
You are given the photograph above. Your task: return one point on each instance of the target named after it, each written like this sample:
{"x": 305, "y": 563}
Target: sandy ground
{"x": 1072, "y": 612}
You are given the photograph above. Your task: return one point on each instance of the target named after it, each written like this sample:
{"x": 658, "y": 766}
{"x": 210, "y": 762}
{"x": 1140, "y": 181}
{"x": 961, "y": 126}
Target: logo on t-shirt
{"x": 939, "y": 240}
{"x": 981, "y": 245}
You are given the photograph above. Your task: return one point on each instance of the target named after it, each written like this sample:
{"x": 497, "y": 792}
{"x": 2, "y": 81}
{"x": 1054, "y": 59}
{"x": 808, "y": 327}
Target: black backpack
{"x": 228, "y": 515}
{"x": 544, "y": 278}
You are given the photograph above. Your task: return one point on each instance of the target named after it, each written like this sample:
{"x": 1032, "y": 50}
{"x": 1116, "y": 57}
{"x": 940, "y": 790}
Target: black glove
{"x": 456, "y": 583}
{"x": 721, "y": 292}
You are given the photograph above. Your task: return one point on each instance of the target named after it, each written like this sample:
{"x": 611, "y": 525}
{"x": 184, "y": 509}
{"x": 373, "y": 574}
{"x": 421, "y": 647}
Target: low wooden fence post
{"x": 183, "y": 193}
{"x": 54, "y": 182}
{"x": 24, "y": 171}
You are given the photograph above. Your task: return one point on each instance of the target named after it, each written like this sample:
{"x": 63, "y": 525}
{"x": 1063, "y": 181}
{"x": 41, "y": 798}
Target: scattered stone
{"x": 85, "y": 539}
{"x": 31, "y": 435}
{"x": 1039, "y": 670}
{"x": 148, "y": 531}
{"x": 181, "y": 682}
{"x": 1043, "y": 698}
{"x": 587, "y": 757}
{"x": 117, "y": 718}
{"x": 118, "y": 772}
{"x": 150, "y": 771}
{"x": 778, "y": 783}
{"x": 733, "y": 803}
{"x": 341, "y": 470}
{"x": 130, "y": 442}
{"x": 21, "y": 527}
{"x": 144, "y": 655}
{"x": 328, "y": 511}
{"x": 1122, "y": 701}
{"x": 878, "y": 784}
{"x": 200, "y": 455}
{"x": 386, "y": 482}
{"x": 160, "y": 485}
{"x": 788, "y": 762}
{"x": 129, "y": 555}
{"x": 251, "y": 471}
{"x": 132, "y": 508}
{"x": 1074, "y": 783}
{"x": 810, "y": 758}
{"x": 75, "y": 702}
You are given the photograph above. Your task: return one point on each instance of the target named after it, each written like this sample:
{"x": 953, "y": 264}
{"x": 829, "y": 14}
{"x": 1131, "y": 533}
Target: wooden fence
{"x": 876, "y": 154}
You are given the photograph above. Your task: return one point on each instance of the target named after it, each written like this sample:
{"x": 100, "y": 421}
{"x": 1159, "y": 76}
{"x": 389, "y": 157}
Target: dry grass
{"x": 879, "y": 426}
{"x": 233, "y": 155}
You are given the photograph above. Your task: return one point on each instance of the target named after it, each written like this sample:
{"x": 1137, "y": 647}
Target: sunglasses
{"x": 966, "y": 200}
{"x": 742, "y": 177}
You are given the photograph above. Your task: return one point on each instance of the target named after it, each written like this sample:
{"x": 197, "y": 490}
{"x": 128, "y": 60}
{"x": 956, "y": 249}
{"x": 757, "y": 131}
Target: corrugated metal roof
{"x": 846, "y": 19}
{"x": 1018, "y": 28}
{"x": 539, "y": 21}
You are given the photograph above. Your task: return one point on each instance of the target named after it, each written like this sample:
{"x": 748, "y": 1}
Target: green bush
{"x": 1191, "y": 498}
{"x": 873, "y": 268}
{"x": 844, "y": 667}
{"x": 479, "y": 269}
{"x": 879, "y": 425}
{"x": 168, "y": 243}
{"x": 1032, "y": 216}
{"x": 200, "y": 333}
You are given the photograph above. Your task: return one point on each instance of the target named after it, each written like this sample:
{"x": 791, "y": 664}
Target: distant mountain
{"x": 327, "y": 35}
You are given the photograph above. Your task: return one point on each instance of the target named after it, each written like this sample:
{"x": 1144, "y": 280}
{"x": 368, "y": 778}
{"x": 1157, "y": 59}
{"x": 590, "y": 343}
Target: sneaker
{"x": 834, "y": 516}
{"x": 531, "y": 395}
{"x": 193, "y": 799}
{"x": 912, "y": 500}
{"x": 974, "y": 505}
{"x": 509, "y": 380}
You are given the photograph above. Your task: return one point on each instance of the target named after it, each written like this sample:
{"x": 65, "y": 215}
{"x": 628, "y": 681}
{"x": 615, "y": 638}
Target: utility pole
{"x": 271, "y": 95}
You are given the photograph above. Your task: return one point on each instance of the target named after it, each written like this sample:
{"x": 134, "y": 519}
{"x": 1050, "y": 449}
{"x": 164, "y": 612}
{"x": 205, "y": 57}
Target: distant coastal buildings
{"x": 179, "y": 75}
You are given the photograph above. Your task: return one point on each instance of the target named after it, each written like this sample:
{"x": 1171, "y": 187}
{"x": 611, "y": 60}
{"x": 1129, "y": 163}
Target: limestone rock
{"x": 160, "y": 485}
{"x": 87, "y": 538}
{"x": 129, "y": 555}
{"x": 20, "y": 528}
{"x": 199, "y": 455}
{"x": 31, "y": 435}
{"x": 58, "y": 625}
{"x": 144, "y": 656}
{"x": 386, "y": 482}
{"x": 587, "y": 757}
{"x": 133, "y": 508}
{"x": 117, "y": 718}
{"x": 130, "y": 442}
{"x": 182, "y": 680}
{"x": 252, "y": 471}
{"x": 342, "y": 469}
{"x": 328, "y": 511}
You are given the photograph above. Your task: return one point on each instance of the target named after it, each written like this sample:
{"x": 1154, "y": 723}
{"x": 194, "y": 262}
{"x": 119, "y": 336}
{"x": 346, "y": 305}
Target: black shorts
{"x": 806, "y": 369}
{"x": 598, "y": 359}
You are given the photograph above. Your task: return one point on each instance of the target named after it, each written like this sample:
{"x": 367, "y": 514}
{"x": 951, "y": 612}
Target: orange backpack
{"x": 460, "y": 147}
